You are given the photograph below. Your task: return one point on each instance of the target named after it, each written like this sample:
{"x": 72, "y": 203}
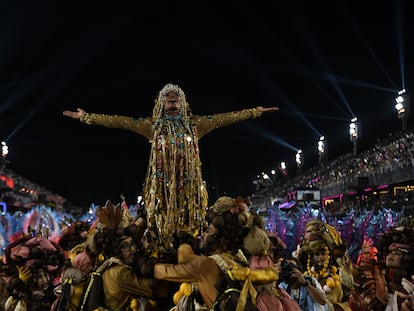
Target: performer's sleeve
{"x": 128, "y": 282}
{"x": 205, "y": 124}
{"x": 141, "y": 126}
{"x": 188, "y": 272}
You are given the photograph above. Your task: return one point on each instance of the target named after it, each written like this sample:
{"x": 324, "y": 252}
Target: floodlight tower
{"x": 283, "y": 169}
{"x": 299, "y": 160}
{"x": 322, "y": 150}
{"x": 4, "y": 153}
{"x": 402, "y": 107}
{"x": 354, "y": 133}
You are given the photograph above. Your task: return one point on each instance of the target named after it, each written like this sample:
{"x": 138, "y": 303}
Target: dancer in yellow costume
{"x": 175, "y": 194}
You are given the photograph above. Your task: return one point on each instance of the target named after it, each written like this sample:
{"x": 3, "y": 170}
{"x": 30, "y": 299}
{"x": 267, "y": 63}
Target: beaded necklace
{"x": 323, "y": 273}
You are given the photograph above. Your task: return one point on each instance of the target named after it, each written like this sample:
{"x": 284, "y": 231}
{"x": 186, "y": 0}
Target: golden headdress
{"x": 319, "y": 234}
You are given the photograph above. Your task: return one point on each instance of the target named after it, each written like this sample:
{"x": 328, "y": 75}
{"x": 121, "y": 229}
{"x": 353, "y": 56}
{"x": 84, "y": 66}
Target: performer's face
{"x": 394, "y": 259}
{"x": 172, "y": 103}
{"x": 42, "y": 279}
{"x": 208, "y": 238}
{"x": 319, "y": 258}
{"x": 128, "y": 250}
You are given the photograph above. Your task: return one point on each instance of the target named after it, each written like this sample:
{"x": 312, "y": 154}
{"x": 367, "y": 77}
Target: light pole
{"x": 402, "y": 107}
{"x": 322, "y": 150}
{"x": 283, "y": 169}
{"x": 354, "y": 133}
{"x": 4, "y": 153}
{"x": 299, "y": 160}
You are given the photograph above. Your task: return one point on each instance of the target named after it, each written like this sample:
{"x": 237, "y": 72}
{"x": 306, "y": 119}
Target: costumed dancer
{"x": 324, "y": 255}
{"x": 174, "y": 193}
{"x": 124, "y": 271}
{"x": 76, "y": 271}
{"x": 383, "y": 277}
{"x": 222, "y": 265}
{"x": 37, "y": 261}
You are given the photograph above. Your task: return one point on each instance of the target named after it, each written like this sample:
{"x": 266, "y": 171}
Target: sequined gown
{"x": 174, "y": 194}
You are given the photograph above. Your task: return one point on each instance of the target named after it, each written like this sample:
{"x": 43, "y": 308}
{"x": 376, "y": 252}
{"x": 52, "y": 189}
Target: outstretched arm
{"x": 206, "y": 124}
{"x": 141, "y": 126}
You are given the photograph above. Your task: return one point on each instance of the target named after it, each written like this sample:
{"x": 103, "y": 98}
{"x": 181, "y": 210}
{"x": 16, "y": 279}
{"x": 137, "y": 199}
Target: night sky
{"x": 321, "y": 62}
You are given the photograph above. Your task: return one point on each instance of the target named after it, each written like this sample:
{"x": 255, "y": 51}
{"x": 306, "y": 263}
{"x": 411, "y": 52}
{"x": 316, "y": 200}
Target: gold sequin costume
{"x": 174, "y": 194}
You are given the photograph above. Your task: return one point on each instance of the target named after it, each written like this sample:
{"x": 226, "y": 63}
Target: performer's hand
{"x": 25, "y": 273}
{"x": 74, "y": 114}
{"x": 298, "y": 275}
{"x": 266, "y": 109}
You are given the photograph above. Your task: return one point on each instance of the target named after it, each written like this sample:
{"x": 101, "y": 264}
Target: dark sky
{"x": 320, "y": 62}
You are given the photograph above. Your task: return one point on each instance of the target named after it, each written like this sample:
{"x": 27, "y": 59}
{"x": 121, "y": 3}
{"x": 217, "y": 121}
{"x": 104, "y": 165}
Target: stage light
{"x": 402, "y": 106}
{"x": 322, "y": 150}
{"x": 321, "y": 145}
{"x": 354, "y": 133}
{"x": 4, "y": 149}
{"x": 283, "y": 169}
{"x": 299, "y": 161}
{"x": 299, "y": 158}
{"x": 353, "y": 129}
{"x": 265, "y": 176}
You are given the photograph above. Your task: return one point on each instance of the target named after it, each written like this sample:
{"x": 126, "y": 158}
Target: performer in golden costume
{"x": 174, "y": 194}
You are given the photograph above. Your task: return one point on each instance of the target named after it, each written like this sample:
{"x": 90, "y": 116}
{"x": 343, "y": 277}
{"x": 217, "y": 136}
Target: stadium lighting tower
{"x": 4, "y": 153}
{"x": 4, "y": 149}
{"x": 322, "y": 149}
{"x": 299, "y": 160}
{"x": 354, "y": 133}
{"x": 283, "y": 169}
{"x": 402, "y": 107}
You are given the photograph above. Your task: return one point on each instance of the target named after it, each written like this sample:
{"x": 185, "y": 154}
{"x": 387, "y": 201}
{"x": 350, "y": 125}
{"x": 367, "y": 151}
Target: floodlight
{"x": 321, "y": 145}
{"x": 299, "y": 158}
{"x": 402, "y": 107}
{"x": 4, "y": 149}
{"x": 353, "y": 129}
{"x": 401, "y": 103}
{"x": 265, "y": 175}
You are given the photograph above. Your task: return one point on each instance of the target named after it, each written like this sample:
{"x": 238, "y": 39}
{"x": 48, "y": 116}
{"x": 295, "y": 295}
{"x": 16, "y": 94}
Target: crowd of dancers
{"x": 234, "y": 263}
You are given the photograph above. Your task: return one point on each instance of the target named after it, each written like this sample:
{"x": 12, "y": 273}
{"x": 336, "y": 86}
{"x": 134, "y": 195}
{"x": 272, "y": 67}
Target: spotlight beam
{"x": 367, "y": 46}
{"x": 399, "y": 29}
{"x": 359, "y": 83}
{"x": 273, "y": 138}
{"x": 311, "y": 77}
{"x": 322, "y": 116}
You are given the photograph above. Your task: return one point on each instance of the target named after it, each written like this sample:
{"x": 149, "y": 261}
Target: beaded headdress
{"x": 159, "y": 108}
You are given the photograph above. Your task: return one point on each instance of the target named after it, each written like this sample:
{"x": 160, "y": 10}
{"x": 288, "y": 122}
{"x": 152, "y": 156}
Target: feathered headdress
{"x": 109, "y": 216}
{"x": 114, "y": 224}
